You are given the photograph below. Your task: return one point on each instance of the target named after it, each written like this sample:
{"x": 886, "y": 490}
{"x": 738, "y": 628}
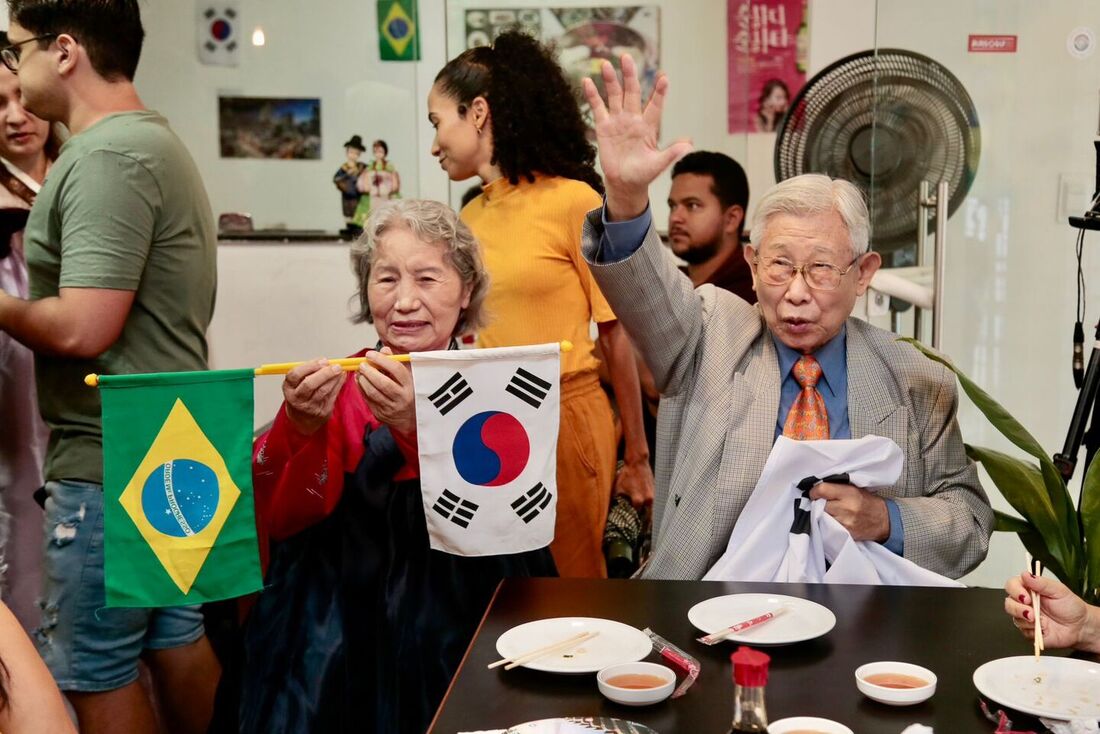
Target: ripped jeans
{"x": 86, "y": 646}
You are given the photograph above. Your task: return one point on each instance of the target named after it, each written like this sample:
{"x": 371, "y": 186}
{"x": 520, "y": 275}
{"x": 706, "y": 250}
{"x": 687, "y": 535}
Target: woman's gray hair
{"x": 810, "y": 194}
{"x": 434, "y": 223}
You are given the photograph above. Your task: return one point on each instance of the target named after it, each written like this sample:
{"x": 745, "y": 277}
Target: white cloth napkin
{"x": 762, "y": 548}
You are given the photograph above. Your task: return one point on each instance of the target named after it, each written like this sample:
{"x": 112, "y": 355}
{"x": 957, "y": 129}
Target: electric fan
{"x": 884, "y": 120}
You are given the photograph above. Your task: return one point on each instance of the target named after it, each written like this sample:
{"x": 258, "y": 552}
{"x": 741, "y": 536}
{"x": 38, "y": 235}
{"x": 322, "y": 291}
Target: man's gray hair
{"x": 810, "y": 194}
{"x": 434, "y": 223}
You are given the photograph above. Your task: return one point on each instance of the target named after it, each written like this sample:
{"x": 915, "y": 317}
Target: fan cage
{"x": 884, "y": 120}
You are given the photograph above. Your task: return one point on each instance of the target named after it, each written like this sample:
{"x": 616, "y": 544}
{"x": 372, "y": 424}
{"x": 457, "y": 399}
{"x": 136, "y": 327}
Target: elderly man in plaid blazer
{"x": 733, "y": 376}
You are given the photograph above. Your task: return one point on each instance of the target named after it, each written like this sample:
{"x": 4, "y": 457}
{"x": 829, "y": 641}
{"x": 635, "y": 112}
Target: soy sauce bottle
{"x": 750, "y": 675}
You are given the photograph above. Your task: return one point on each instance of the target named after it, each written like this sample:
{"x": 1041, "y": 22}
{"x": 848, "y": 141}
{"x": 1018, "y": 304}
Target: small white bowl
{"x": 807, "y": 723}
{"x": 895, "y": 696}
{"x": 636, "y": 696}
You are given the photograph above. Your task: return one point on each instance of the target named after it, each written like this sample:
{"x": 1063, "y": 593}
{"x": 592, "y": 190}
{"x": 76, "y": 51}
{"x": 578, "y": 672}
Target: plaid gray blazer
{"x": 716, "y": 367}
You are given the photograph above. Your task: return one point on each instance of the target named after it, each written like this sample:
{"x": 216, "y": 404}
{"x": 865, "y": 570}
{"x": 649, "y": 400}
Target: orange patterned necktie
{"x": 807, "y": 419}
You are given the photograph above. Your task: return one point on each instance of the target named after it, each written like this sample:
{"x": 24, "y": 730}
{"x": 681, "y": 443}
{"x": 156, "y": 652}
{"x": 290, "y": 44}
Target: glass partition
{"x": 1028, "y": 72}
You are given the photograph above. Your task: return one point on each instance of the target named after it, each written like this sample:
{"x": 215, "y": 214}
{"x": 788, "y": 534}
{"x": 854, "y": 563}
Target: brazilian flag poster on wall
{"x": 179, "y": 520}
{"x": 398, "y": 35}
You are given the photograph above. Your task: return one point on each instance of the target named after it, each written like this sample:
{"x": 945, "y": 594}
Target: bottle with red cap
{"x": 750, "y": 675}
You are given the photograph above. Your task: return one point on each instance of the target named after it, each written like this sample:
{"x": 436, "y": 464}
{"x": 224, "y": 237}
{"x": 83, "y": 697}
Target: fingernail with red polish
{"x": 1027, "y": 614}
{"x": 1023, "y": 598}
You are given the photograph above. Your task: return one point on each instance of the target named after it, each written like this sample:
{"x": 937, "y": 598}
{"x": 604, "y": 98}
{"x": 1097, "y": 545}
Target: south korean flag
{"x": 487, "y": 430}
{"x": 218, "y": 32}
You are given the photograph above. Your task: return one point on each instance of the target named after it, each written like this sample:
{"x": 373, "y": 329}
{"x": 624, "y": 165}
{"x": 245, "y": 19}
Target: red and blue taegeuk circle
{"x": 221, "y": 29}
{"x": 491, "y": 449}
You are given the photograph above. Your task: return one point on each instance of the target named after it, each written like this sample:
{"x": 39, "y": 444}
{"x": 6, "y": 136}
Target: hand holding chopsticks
{"x": 716, "y": 637}
{"x": 533, "y": 655}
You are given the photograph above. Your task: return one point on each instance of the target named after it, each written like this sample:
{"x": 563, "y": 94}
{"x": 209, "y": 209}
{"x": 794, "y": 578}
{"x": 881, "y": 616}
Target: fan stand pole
{"x": 937, "y": 203}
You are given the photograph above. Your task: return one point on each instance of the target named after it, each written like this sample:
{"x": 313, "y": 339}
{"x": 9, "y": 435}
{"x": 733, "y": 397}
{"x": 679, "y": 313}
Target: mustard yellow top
{"x": 540, "y": 289}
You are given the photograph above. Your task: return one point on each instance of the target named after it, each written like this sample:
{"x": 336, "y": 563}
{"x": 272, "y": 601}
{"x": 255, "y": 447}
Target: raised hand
{"x": 310, "y": 391}
{"x": 627, "y": 138}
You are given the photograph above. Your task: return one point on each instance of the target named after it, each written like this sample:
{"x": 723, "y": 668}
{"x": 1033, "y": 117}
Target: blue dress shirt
{"x": 622, "y": 239}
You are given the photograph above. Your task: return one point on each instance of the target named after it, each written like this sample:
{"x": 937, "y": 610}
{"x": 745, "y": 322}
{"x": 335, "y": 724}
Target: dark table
{"x": 950, "y": 631}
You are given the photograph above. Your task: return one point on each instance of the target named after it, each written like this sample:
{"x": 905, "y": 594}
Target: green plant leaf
{"x": 1022, "y": 485}
{"x": 1090, "y": 523}
{"x": 1005, "y": 523}
{"x": 1029, "y": 537}
{"x": 1054, "y": 487}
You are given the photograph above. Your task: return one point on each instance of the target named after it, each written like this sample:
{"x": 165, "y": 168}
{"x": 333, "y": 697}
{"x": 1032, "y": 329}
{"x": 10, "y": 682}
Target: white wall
{"x": 324, "y": 49}
{"x": 330, "y": 50}
{"x": 283, "y": 303}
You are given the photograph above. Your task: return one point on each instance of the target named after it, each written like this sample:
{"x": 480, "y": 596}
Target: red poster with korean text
{"x": 768, "y": 46}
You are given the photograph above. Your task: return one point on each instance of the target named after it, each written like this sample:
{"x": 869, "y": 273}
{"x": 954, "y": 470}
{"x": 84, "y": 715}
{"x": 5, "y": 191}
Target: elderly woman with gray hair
{"x": 361, "y": 625}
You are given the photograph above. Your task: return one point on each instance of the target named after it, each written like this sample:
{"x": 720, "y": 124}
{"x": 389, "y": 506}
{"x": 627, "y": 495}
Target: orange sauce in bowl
{"x": 636, "y": 681}
{"x": 895, "y": 680}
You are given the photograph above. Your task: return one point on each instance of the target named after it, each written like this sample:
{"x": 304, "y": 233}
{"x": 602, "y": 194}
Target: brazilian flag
{"x": 398, "y": 36}
{"x": 179, "y": 521}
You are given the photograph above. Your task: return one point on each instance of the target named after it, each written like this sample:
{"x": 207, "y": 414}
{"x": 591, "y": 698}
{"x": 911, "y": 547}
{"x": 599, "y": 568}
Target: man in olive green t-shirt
{"x": 120, "y": 247}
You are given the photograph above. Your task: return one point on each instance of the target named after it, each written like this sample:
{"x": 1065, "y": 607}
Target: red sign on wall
{"x": 991, "y": 44}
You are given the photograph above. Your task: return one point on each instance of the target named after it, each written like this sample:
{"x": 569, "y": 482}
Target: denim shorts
{"x": 86, "y": 646}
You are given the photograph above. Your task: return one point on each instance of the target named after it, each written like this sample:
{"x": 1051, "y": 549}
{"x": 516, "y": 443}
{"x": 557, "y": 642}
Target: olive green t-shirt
{"x": 123, "y": 207}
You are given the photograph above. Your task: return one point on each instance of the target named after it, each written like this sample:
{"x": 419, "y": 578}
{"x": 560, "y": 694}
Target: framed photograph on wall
{"x": 270, "y": 127}
{"x": 584, "y": 37}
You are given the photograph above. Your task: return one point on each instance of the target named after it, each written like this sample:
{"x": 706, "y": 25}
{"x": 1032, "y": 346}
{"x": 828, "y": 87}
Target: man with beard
{"x": 707, "y": 204}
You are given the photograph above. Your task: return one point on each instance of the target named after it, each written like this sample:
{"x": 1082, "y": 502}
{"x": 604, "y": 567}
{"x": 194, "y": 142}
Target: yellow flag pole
{"x": 349, "y": 364}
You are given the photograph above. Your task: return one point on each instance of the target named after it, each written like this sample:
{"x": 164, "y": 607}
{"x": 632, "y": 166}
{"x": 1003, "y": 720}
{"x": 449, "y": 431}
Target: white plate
{"x": 616, "y": 643}
{"x": 1067, "y": 688}
{"x": 803, "y": 620}
{"x": 580, "y": 725}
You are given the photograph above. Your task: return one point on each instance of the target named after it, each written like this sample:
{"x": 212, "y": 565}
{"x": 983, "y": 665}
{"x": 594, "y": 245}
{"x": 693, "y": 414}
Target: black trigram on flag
{"x": 454, "y": 508}
{"x": 529, "y": 505}
{"x": 453, "y": 392}
{"x": 529, "y": 388}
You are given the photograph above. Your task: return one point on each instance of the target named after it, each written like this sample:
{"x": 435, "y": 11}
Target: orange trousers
{"x": 586, "y": 471}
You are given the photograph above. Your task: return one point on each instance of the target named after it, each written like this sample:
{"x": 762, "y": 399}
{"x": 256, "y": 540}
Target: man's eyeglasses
{"x": 820, "y": 276}
{"x": 10, "y": 54}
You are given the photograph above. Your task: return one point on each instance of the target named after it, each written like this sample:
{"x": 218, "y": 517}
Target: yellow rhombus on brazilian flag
{"x": 179, "y": 521}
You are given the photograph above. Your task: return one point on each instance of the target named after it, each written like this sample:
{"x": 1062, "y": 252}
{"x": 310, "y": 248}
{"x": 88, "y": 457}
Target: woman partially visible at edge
{"x": 28, "y": 146}
{"x": 30, "y": 702}
{"x": 507, "y": 114}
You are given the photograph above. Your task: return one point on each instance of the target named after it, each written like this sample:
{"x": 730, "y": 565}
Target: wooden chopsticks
{"x": 528, "y": 657}
{"x": 1036, "y": 568}
{"x": 716, "y": 637}
{"x": 1039, "y": 645}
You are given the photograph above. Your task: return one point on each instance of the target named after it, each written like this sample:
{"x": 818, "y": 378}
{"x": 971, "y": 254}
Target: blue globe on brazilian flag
{"x": 179, "y": 525}
{"x": 398, "y": 39}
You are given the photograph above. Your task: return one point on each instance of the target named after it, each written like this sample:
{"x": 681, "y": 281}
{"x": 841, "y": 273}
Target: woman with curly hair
{"x": 508, "y": 115}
